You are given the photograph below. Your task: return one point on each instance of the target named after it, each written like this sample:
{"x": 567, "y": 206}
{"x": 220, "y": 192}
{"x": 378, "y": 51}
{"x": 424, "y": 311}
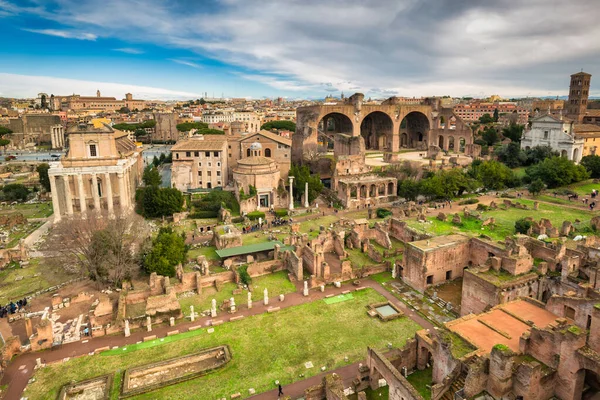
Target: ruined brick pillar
{"x": 594, "y": 338}
{"x": 500, "y": 380}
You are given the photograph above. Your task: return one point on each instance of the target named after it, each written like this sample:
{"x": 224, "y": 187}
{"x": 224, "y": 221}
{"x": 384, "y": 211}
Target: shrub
{"x": 255, "y": 215}
{"x": 522, "y": 226}
{"x": 244, "y": 275}
{"x": 203, "y": 214}
{"x": 482, "y": 207}
{"x": 383, "y": 212}
{"x": 281, "y": 213}
{"x": 468, "y": 201}
{"x": 237, "y": 220}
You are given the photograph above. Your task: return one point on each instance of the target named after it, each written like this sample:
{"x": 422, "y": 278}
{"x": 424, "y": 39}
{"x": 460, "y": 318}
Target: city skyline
{"x": 181, "y": 50}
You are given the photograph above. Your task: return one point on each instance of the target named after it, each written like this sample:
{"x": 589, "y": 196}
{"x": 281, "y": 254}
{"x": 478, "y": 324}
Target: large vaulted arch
{"x": 377, "y": 129}
{"x": 415, "y": 125}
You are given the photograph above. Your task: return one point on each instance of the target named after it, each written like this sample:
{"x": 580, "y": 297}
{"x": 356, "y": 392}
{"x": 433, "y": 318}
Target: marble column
{"x": 95, "y": 193}
{"x": 306, "y": 205}
{"x": 109, "y": 194}
{"x": 122, "y": 195}
{"x": 68, "y": 197}
{"x": 82, "y": 202}
{"x": 55, "y": 201}
{"x": 291, "y": 178}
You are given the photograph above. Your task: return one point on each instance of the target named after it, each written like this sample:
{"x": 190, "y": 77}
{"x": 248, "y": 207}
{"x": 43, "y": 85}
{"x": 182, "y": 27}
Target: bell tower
{"x": 579, "y": 91}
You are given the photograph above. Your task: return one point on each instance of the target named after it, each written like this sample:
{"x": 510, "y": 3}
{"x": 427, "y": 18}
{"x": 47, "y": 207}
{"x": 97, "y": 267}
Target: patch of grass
{"x": 505, "y": 220}
{"x": 264, "y": 348}
{"x": 315, "y": 224}
{"x": 501, "y": 276}
{"x": 49, "y": 275}
{"x": 209, "y": 252}
{"x": 37, "y": 210}
{"x": 359, "y": 258}
{"x": 382, "y": 393}
{"x": 420, "y": 380}
{"x": 382, "y": 277}
{"x": 276, "y": 284}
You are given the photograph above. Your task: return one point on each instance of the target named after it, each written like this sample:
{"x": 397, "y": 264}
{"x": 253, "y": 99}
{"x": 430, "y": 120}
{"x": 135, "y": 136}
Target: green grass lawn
{"x": 10, "y": 289}
{"x": 505, "y": 220}
{"x": 419, "y": 380}
{"x": 39, "y": 210}
{"x": 264, "y": 348}
{"x": 276, "y": 283}
{"x": 209, "y": 252}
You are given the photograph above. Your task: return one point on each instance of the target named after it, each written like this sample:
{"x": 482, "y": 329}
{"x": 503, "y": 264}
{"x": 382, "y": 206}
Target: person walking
{"x": 280, "y": 391}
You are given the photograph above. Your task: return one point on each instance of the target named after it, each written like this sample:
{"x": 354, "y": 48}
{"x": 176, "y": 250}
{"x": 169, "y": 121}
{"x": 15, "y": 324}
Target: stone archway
{"x": 450, "y": 143}
{"x": 441, "y": 142}
{"x": 377, "y": 131}
{"x": 575, "y": 154}
{"x": 416, "y": 126}
{"x": 363, "y": 192}
{"x": 390, "y": 191}
{"x": 461, "y": 145}
{"x": 563, "y": 153}
{"x": 331, "y": 124}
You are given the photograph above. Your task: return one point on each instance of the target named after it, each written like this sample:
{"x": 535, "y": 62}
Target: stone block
{"x": 194, "y": 328}
{"x": 216, "y": 323}
{"x": 172, "y": 333}
{"x": 273, "y": 309}
{"x": 149, "y": 338}
{"x": 101, "y": 349}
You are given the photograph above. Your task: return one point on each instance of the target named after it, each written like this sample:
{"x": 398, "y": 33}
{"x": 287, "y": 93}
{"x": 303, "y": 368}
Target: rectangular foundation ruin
{"x": 150, "y": 377}
{"x": 91, "y": 389}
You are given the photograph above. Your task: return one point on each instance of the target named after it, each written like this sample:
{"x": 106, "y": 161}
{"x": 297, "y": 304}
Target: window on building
{"x": 448, "y": 275}
{"x": 199, "y": 164}
{"x": 177, "y": 156}
{"x": 218, "y": 182}
{"x": 216, "y": 153}
{"x": 546, "y": 134}
{"x": 267, "y": 152}
{"x": 199, "y": 173}
{"x": 229, "y": 155}
{"x": 196, "y": 154}
{"x": 208, "y": 173}
{"x": 248, "y": 153}
{"x": 209, "y": 185}
{"x": 188, "y": 154}
{"x": 207, "y": 154}
{"x": 218, "y": 173}
{"x": 218, "y": 164}
{"x": 430, "y": 280}
{"x": 93, "y": 151}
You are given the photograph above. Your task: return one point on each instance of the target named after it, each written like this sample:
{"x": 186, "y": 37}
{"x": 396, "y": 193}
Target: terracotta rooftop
{"x": 592, "y": 112}
{"x": 257, "y": 160}
{"x": 199, "y": 145}
{"x": 587, "y": 129}
{"x": 270, "y": 135}
{"x": 504, "y": 324}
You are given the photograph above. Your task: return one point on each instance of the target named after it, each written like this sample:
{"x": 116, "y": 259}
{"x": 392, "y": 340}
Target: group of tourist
{"x": 12, "y": 307}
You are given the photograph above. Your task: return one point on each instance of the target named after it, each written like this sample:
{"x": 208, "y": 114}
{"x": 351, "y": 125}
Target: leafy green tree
{"x": 151, "y": 176}
{"x": 208, "y": 131}
{"x": 493, "y": 175}
{"x": 168, "y": 250}
{"x": 539, "y": 153}
{"x": 511, "y": 155}
{"x": 409, "y": 189}
{"x": 279, "y": 125}
{"x": 5, "y": 131}
{"x": 592, "y": 165}
{"x": 125, "y": 127}
{"x": 153, "y": 201}
{"x": 536, "y": 187}
{"x": 490, "y": 135}
{"x": 301, "y": 174}
{"x": 447, "y": 184}
{"x": 556, "y": 172}
{"x": 522, "y": 226}
{"x": 514, "y": 132}
{"x": 124, "y": 110}
{"x": 188, "y": 126}
{"x": 15, "y": 192}
{"x": 486, "y": 119}
{"x": 42, "y": 170}
{"x": 496, "y": 115}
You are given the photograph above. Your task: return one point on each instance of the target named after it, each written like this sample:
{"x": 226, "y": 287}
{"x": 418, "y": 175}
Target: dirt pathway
{"x": 20, "y": 369}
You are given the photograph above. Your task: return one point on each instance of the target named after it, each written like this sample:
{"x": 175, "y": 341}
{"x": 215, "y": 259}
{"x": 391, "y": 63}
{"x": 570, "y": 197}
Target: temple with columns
{"x": 100, "y": 172}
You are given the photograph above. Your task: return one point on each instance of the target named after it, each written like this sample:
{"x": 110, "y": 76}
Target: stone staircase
{"x": 459, "y": 383}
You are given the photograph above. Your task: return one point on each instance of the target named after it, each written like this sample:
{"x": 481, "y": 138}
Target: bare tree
{"x": 105, "y": 249}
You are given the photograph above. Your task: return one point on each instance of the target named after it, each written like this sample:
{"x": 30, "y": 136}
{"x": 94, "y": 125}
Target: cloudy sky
{"x": 297, "y": 48}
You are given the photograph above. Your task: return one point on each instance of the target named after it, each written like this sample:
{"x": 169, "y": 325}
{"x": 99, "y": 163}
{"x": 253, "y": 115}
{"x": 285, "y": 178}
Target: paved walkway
{"x": 20, "y": 369}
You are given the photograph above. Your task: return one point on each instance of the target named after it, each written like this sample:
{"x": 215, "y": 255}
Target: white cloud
{"x": 13, "y": 85}
{"x": 129, "y": 50}
{"x": 64, "y": 34}
{"x": 414, "y": 46}
{"x": 186, "y": 62}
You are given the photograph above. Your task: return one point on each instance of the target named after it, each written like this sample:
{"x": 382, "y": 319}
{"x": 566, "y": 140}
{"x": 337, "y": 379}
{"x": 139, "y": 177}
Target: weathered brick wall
{"x": 264, "y": 268}
{"x": 530, "y": 381}
{"x": 583, "y": 308}
{"x": 477, "y": 294}
{"x": 10, "y": 348}
{"x": 481, "y": 250}
{"x": 399, "y": 230}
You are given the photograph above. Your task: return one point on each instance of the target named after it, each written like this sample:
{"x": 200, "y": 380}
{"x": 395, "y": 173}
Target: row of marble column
{"x": 124, "y": 193}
